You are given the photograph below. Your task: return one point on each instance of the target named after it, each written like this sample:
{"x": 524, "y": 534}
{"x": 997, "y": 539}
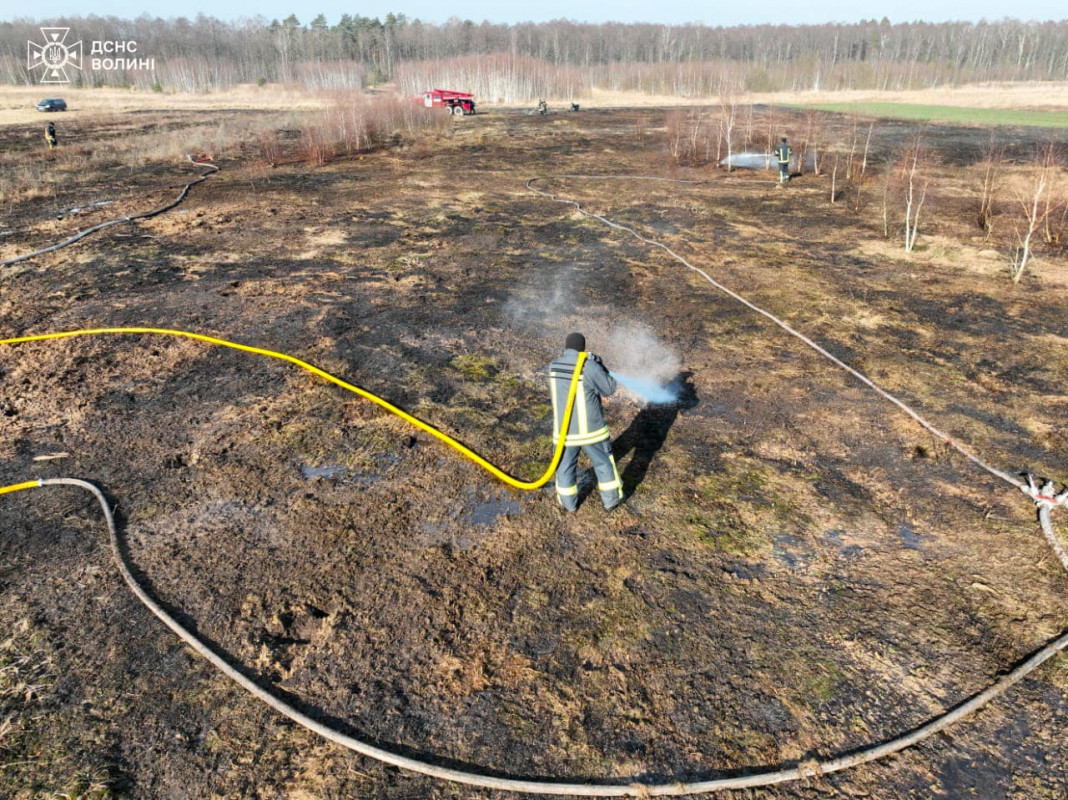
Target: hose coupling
{"x": 1046, "y": 496}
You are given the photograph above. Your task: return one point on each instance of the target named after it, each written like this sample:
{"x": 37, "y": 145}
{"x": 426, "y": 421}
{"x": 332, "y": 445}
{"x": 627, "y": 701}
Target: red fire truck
{"x": 458, "y": 103}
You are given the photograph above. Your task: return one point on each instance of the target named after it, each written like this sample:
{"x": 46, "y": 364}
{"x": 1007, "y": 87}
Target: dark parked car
{"x": 52, "y": 104}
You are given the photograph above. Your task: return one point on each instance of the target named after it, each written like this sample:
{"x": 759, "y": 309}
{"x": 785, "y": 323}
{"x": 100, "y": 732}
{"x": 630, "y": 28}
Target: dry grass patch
{"x": 18, "y": 102}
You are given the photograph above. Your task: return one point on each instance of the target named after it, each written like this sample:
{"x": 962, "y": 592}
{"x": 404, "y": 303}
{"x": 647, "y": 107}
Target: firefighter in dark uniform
{"x": 588, "y": 430}
{"x": 50, "y": 135}
{"x": 783, "y": 153}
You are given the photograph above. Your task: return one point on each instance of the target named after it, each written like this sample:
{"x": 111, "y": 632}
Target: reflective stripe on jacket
{"x": 784, "y": 152}
{"x": 587, "y": 419}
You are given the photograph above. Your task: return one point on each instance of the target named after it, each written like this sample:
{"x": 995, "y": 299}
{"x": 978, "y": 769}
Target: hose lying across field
{"x": 458, "y": 446}
{"x": 1044, "y": 497}
{"x": 804, "y": 770}
{"x": 119, "y": 220}
{"x": 1026, "y": 488}
{"x": 1041, "y": 496}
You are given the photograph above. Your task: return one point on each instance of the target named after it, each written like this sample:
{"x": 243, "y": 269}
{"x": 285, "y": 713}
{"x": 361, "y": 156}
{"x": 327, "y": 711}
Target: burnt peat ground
{"x": 800, "y": 569}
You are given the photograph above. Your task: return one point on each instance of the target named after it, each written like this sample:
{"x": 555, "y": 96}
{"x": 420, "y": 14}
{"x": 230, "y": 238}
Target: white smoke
{"x": 643, "y": 365}
{"x": 553, "y": 309}
{"x": 631, "y": 348}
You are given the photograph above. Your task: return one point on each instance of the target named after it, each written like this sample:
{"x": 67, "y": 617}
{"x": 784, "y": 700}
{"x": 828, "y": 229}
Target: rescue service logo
{"x": 55, "y": 55}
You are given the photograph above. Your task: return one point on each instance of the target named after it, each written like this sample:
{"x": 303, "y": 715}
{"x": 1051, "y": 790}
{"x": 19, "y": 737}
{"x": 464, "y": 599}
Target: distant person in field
{"x": 783, "y": 153}
{"x": 588, "y": 430}
{"x": 50, "y": 135}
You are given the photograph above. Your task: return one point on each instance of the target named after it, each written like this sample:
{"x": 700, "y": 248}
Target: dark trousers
{"x": 609, "y": 483}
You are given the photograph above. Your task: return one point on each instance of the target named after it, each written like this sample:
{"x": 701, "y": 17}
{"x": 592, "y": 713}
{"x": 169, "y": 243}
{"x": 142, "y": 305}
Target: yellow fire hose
{"x": 18, "y": 487}
{"x": 459, "y": 447}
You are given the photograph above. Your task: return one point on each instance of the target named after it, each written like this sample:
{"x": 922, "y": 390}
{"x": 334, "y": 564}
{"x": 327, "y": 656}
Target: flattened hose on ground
{"x": 143, "y": 215}
{"x": 459, "y": 447}
{"x": 809, "y": 769}
{"x": 785, "y": 326}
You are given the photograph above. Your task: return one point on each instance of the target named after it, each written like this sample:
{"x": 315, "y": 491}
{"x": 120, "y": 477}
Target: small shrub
{"x": 356, "y": 123}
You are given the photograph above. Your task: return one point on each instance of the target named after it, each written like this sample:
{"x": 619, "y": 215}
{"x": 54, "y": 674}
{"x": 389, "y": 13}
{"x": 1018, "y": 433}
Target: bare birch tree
{"x": 867, "y": 146}
{"x": 916, "y": 180}
{"x": 858, "y": 182}
{"x": 696, "y": 128}
{"x": 812, "y": 143}
{"x": 852, "y": 151}
{"x": 675, "y": 135}
{"x": 728, "y": 116}
{"x": 1034, "y": 206}
{"x": 992, "y": 163}
{"x": 773, "y": 128}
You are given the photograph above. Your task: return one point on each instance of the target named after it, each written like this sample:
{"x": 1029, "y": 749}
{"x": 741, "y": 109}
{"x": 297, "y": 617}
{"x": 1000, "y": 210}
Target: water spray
{"x": 652, "y": 392}
{"x": 764, "y": 161}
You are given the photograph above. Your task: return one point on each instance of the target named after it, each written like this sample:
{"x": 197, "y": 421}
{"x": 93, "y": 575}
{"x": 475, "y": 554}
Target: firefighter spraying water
{"x": 588, "y": 430}
{"x": 782, "y": 154}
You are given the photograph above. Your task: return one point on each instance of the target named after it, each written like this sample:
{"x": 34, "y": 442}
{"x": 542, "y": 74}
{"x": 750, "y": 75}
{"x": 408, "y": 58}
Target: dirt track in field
{"x": 800, "y": 570}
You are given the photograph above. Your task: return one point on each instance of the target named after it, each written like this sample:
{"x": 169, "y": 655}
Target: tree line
{"x": 205, "y": 53}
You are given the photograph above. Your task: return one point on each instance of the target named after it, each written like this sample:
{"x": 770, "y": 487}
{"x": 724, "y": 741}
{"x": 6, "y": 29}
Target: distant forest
{"x": 553, "y": 59}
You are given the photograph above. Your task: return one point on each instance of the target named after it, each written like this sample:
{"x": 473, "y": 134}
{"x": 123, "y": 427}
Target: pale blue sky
{"x": 659, "y": 11}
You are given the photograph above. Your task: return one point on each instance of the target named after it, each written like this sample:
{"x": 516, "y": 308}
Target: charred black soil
{"x": 799, "y": 571}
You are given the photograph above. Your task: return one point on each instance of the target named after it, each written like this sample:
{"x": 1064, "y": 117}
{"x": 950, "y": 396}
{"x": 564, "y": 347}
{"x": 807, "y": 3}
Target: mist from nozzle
{"x": 640, "y": 362}
{"x": 549, "y": 306}
{"x": 764, "y": 161}
{"x": 650, "y": 391}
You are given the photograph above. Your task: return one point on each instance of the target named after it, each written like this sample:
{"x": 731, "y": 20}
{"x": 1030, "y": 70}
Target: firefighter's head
{"x": 575, "y": 341}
